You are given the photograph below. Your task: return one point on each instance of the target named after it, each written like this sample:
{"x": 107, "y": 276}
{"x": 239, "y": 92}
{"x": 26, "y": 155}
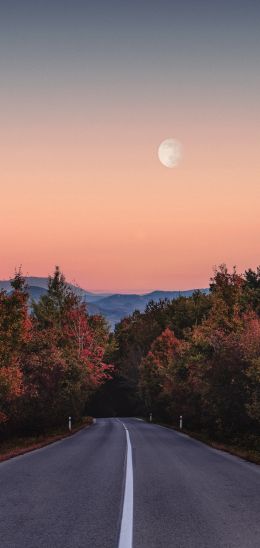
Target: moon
{"x": 170, "y": 152}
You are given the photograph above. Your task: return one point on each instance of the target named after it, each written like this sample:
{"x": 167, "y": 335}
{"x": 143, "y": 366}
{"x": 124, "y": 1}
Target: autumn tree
{"x": 15, "y": 332}
{"x": 251, "y": 296}
{"x": 64, "y": 362}
{"x": 156, "y": 371}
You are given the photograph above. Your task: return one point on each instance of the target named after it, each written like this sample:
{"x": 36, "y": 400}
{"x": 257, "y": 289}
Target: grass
{"x": 19, "y": 445}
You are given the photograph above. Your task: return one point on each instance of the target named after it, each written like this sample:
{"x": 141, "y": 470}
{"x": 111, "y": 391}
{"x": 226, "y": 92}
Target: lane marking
{"x": 126, "y": 530}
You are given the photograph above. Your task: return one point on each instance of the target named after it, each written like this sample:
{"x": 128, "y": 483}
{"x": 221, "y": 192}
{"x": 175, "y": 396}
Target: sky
{"x": 88, "y": 90}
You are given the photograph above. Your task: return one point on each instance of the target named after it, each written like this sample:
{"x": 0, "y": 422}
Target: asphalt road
{"x": 185, "y": 494}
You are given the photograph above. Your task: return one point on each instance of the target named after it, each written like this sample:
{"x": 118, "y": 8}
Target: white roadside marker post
{"x": 151, "y": 417}
{"x": 70, "y": 424}
{"x": 180, "y": 422}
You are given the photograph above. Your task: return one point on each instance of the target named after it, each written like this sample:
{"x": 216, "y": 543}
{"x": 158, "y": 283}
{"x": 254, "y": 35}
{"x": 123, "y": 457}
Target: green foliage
{"x": 251, "y": 296}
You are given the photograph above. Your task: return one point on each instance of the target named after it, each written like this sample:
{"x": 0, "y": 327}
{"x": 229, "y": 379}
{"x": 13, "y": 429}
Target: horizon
{"x": 110, "y": 291}
{"x": 126, "y": 291}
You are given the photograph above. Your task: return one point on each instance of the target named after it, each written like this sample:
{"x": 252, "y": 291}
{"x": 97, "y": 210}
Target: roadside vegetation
{"x": 52, "y": 359}
{"x": 18, "y": 445}
{"x": 198, "y": 357}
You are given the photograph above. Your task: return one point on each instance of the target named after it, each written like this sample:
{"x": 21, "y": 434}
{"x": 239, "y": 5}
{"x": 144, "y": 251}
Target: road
{"x": 77, "y": 492}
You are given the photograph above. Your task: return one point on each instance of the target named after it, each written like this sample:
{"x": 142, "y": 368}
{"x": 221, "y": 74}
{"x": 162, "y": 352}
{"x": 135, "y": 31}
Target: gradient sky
{"x": 88, "y": 91}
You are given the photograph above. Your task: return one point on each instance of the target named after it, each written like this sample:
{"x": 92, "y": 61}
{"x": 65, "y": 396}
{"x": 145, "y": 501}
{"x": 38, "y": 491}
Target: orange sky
{"x": 103, "y": 207}
{"x": 82, "y": 186}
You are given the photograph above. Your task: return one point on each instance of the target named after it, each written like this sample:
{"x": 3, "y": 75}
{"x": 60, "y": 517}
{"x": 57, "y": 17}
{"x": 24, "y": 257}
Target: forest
{"x": 196, "y": 356}
{"x": 52, "y": 357}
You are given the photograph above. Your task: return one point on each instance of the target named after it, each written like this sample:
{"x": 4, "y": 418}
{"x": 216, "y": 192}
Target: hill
{"x": 113, "y": 306}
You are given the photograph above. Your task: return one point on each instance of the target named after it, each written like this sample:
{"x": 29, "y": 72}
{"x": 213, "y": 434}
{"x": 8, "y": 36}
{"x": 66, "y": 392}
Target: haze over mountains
{"x": 114, "y": 306}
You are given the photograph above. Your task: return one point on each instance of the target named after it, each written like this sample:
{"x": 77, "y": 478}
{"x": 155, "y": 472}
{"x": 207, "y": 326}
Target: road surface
{"x": 170, "y": 491}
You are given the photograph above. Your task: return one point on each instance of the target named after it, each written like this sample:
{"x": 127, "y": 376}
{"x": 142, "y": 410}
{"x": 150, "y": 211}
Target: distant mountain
{"x": 5, "y": 285}
{"x": 122, "y": 302}
{"x": 30, "y": 281}
{"x": 36, "y": 292}
{"x": 42, "y": 283}
{"x": 113, "y": 306}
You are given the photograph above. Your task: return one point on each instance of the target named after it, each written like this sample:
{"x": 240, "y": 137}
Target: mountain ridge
{"x": 114, "y": 306}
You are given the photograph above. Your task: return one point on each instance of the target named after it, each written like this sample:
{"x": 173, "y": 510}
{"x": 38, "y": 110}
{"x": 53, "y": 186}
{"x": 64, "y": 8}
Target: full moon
{"x": 170, "y": 152}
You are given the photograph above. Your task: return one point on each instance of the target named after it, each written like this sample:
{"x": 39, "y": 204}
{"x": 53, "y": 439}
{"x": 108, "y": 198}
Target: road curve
{"x": 71, "y": 494}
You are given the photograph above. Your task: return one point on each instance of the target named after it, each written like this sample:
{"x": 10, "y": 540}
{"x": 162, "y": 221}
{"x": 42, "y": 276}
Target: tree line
{"x": 52, "y": 357}
{"x": 198, "y": 357}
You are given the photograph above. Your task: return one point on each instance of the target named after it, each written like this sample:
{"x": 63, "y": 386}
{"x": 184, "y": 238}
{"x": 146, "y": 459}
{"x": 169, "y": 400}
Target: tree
{"x": 251, "y": 297}
{"x": 15, "y": 332}
{"x": 155, "y": 369}
{"x": 64, "y": 362}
